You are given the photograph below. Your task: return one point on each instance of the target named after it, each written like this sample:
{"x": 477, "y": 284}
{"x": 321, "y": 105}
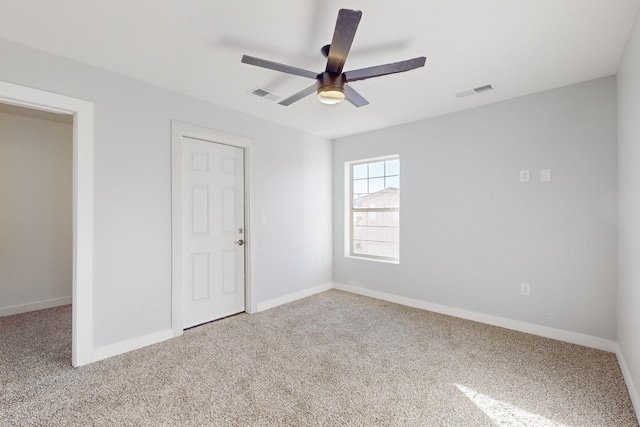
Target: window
{"x": 374, "y": 208}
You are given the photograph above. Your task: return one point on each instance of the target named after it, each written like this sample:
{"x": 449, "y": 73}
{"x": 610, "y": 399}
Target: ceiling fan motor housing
{"x": 331, "y": 81}
{"x": 331, "y": 87}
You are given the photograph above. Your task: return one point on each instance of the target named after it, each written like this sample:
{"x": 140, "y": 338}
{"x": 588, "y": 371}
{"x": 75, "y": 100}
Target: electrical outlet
{"x": 524, "y": 175}
{"x": 319, "y": 263}
{"x": 525, "y": 289}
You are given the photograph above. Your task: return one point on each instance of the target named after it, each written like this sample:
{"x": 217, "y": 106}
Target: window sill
{"x": 383, "y": 261}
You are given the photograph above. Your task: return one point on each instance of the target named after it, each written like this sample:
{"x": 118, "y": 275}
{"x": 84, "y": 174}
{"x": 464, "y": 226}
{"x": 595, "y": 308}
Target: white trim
{"x": 294, "y": 296}
{"x": 516, "y": 325}
{"x": 633, "y": 391}
{"x": 122, "y": 347}
{"x": 33, "y": 306}
{"x": 178, "y": 131}
{"x": 368, "y": 259}
{"x": 82, "y": 317}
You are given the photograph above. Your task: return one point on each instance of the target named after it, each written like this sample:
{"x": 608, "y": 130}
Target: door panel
{"x": 199, "y": 210}
{"x": 213, "y": 226}
{"x": 200, "y": 277}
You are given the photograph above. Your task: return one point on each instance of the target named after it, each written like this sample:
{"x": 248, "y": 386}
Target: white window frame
{"x": 349, "y": 211}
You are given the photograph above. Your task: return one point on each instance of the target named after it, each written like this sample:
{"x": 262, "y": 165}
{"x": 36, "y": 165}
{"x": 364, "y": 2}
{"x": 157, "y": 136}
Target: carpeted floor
{"x": 332, "y": 359}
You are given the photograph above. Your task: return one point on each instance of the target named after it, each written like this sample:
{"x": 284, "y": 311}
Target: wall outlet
{"x": 525, "y": 289}
{"x": 525, "y": 175}
{"x": 319, "y": 264}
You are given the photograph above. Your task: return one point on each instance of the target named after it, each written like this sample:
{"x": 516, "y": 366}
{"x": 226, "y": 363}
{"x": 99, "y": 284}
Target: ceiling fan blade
{"x": 298, "y": 96}
{"x": 354, "y": 97}
{"x": 343, "y": 35}
{"x": 278, "y": 67}
{"x": 383, "y": 70}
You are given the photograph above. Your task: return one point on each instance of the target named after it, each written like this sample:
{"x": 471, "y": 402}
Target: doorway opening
{"x": 36, "y": 220}
{"x": 38, "y": 101}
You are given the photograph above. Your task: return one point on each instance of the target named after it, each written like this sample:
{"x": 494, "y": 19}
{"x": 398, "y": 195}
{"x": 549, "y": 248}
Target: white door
{"x": 213, "y": 231}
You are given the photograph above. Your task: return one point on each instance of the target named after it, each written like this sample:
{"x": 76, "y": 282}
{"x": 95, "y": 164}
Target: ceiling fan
{"x": 331, "y": 84}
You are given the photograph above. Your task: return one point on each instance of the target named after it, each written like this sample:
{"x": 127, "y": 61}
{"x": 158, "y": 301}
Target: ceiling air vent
{"x": 465, "y": 93}
{"x": 474, "y": 91}
{"x": 264, "y": 93}
{"x": 482, "y": 88}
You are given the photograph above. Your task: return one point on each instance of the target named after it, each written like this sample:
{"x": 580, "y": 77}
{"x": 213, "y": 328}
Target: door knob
{"x": 240, "y": 242}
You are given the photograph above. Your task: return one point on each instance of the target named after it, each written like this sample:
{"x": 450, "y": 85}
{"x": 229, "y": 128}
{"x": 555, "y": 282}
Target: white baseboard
{"x": 293, "y": 297}
{"x": 131, "y": 344}
{"x": 40, "y": 305}
{"x": 633, "y": 391}
{"x": 516, "y": 325}
{"x": 156, "y": 337}
{"x": 544, "y": 331}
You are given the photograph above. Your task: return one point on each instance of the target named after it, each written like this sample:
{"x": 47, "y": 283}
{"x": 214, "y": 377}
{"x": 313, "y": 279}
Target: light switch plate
{"x": 545, "y": 175}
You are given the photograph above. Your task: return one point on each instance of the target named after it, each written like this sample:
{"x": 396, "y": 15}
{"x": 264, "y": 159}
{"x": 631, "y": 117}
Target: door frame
{"x": 178, "y": 131}
{"x": 82, "y": 294}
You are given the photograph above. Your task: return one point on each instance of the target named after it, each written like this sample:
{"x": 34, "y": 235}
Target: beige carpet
{"x": 328, "y": 360}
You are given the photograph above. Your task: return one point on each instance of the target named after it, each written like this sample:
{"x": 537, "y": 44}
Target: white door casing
{"x": 212, "y": 231}
{"x": 210, "y": 195}
{"x": 82, "y": 350}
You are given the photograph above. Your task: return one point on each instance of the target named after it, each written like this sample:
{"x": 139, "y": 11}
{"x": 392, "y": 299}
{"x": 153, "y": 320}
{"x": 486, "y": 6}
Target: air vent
{"x": 482, "y": 88}
{"x": 473, "y": 91}
{"x": 264, "y": 93}
{"x": 260, "y": 92}
{"x": 465, "y": 93}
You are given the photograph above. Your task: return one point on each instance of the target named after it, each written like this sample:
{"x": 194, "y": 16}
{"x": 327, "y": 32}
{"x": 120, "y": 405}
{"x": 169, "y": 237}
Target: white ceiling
{"x": 194, "y": 47}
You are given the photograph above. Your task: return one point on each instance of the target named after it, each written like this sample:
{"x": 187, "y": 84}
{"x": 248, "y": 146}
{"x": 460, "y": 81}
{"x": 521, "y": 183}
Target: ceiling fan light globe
{"x": 331, "y": 96}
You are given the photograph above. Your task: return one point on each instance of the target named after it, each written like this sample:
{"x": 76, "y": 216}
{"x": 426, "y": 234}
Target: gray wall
{"x": 471, "y": 232}
{"x": 290, "y": 177}
{"x": 35, "y": 213}
{"x": 629, "y": 208}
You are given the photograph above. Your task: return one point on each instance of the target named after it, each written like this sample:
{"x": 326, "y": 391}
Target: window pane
{"x": 375, "y": 185}
{"x": 376, "y": 234}
{"x": 391, "y": 235}
{"x": 392, "y": 182}
{"x": 376, "y": 240}
{"x": 360, "y": 186}
{"x": 392, "y": 250}
{"x": 368, "y": 248}
{"x": 376, "y": 169}
{"x": 392, "y": 167}
{"x": 360, "y": 171}
{"x": 360, "y": 233}
{"x": 392, "y": 199}
{"x": 375, "y": 248}
{"x": 360, "y": 218}
{"x": 359, "y": 201}
{"x": 391, "y": 219}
